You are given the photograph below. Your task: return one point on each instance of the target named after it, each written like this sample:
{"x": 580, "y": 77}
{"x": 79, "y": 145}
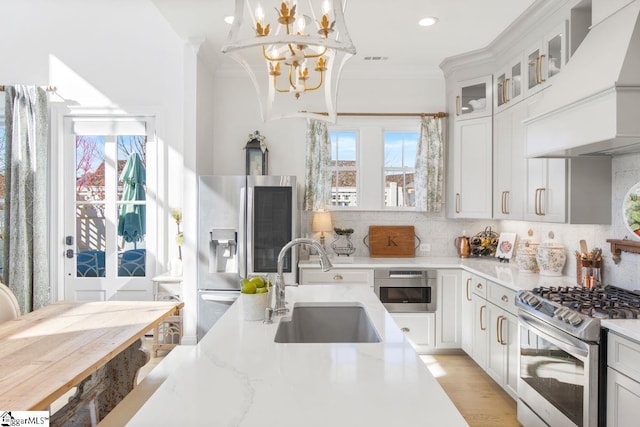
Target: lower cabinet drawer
{"x": 336, "y": 276}
{"x": 502, "y": 297}
{"x": 419, "y": 329}
{"x": 623, "y": 355}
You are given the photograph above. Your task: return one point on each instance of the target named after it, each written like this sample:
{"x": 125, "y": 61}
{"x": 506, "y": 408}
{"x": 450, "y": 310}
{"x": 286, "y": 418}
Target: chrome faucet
{"x": 325, "y": 264}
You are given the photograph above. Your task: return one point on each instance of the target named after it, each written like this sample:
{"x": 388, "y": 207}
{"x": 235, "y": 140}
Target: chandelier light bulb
{"x": 259, "y": 14}
{"x": 326, "y": 7}
{"x": 427, "y": 21}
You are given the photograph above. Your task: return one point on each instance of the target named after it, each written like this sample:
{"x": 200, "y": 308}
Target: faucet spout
{"x": 325, "y": 264}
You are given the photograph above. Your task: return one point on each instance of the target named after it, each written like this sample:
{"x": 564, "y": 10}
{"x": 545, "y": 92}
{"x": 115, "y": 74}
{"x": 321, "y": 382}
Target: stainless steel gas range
{"x": 562, "y": 352}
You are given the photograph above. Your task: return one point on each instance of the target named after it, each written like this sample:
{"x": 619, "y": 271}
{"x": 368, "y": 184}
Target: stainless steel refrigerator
{"x": 243, "y": 222}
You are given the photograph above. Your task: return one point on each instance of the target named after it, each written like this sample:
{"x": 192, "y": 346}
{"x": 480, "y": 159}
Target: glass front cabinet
{"x": 508, "y": 84}
{"x": 546, "y": 59}
{"x": 473, "y": 98}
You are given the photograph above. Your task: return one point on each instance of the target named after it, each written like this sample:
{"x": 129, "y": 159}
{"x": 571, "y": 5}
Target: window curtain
{"x": 429, "y": 177}
{"x": 26, "y": 266}
{"x": 317, "y": 173}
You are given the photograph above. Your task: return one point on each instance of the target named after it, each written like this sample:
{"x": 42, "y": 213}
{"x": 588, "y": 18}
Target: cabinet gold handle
{"x": 542, "y": 80}
{"x": 505, "y": 204}
{"x": 458, "y": 105}
{"x": 540, "y": 210}
{"x": 538, "y": 78}
{"x": 479, "y": 286}
{"x": 506, "y": 90}
{"x": 468, "y": 286}
{"x": 505, "y": 298}
{"x": 501, "y": 320}
{"x": 482, "y": 327}
{"x": 457, "y": 202}
{"x": 337, "y": 277}
{"x": 498, "y": 338}
{"x": 405, "y": 330}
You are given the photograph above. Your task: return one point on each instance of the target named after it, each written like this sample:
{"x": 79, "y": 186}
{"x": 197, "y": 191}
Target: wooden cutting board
{"x": 392, "y": 241}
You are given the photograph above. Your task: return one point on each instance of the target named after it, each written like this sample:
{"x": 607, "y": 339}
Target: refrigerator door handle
{"x": 249, "y": 229}
{"x": 242, "y": 232}
{"x": 220, "y": 296}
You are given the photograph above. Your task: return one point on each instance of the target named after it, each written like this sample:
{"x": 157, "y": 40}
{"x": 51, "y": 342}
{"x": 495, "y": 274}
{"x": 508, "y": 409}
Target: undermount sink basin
{"x": 327, "y": 323}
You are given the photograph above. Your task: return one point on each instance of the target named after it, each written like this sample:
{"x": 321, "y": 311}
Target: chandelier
{"x": 294, "y": 52}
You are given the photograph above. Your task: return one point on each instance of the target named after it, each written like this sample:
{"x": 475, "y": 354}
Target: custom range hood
{"x": 593, "y": 106}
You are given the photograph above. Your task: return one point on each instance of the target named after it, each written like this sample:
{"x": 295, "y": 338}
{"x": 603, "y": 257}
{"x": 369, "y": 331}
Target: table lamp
{"x": 321, "y": 222}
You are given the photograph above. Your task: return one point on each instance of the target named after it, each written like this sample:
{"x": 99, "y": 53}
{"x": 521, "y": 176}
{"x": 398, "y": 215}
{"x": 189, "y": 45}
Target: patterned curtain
{"x": 317, "y": 188}
{"x": 430, "y": 165}
{"x": 26, "y": 262}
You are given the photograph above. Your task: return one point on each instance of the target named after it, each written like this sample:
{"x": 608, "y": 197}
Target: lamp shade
{"x": 321, "y": 222}
{"x": 299, "y": 32}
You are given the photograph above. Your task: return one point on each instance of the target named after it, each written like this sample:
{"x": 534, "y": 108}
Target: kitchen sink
{"x": 327, "y": 323}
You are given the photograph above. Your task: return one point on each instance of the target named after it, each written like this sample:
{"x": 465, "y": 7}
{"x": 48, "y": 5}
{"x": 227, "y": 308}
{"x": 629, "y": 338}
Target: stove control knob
{"x": 557, "y": 313}
{"x": 575, "y": 319}
{"x": 532, "y": 300}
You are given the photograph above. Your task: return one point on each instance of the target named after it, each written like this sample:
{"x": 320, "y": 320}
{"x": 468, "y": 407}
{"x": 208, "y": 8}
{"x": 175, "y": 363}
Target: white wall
{"x": 237, "y": 115}
{"x": 108, "y": 55}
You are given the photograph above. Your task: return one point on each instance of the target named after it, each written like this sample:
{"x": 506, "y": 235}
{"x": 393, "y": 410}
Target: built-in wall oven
{"x": 406, "y": 290}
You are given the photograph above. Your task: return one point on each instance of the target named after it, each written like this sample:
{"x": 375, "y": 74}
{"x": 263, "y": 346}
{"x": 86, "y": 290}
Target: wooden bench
{"x": 128, "y": 407}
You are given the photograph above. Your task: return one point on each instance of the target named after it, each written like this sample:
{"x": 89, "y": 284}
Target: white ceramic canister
{"x": 526, "y": 256}
{"x": 551, "y": 257}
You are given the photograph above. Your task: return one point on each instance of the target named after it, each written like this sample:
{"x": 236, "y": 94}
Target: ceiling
{"x": 387, "y": 29}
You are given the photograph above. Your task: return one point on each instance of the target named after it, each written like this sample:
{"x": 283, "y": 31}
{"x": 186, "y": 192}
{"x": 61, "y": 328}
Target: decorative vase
{"x": 176, "y": 267}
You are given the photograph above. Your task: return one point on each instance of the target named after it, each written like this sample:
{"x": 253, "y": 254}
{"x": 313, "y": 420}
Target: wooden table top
{"x": 45, "y": 353}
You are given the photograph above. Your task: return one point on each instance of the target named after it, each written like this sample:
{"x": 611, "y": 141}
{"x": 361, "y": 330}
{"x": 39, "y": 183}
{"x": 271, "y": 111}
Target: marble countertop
{"x": 505, "y": 274}
{"x": 239, "y": 376}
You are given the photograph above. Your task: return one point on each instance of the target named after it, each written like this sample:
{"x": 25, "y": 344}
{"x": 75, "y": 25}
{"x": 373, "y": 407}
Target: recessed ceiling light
{"x": 228, "y": 19}
{"x": 427, "y": 21}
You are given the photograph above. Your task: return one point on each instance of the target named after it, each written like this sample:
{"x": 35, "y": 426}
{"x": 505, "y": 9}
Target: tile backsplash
{"x": 439, "y": 232}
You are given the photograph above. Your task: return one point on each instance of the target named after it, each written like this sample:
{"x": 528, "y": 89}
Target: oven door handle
{"x": 564, "y": 341}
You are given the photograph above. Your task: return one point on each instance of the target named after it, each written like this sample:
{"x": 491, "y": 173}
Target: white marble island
{"x": 238, "y": 376}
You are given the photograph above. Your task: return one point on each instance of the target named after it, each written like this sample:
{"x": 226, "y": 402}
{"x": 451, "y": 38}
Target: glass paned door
{"x": 106, "y": 216}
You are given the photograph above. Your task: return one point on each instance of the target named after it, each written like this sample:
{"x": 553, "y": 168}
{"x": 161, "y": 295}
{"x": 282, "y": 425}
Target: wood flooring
{"x": 481, "y": 401}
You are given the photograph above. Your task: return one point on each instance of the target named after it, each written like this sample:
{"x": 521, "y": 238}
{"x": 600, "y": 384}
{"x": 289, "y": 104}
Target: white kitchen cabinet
{"x": 502, "y": 357}
{"x": 337, "y": 276}
{"x": 419, "y": 328}
{"x": 508, "y": 84}
{"x": 480, "y": 337}
{"x": 558, "y": 190}
{"x": 472, "y": 98}
{"x": 623, "y": 381}
{"x": 471, "y": 162}
{"x": 546, "y": 190}
{"x": 546, "y": 59}
{"x": 448, "y": 314}
{"x": 509, "y": 163}
{"x": 466, "y": 313}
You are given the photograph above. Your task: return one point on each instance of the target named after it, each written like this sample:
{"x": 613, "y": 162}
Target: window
{"x": 399, "y": 168}
{"x": 3, "y": 143}
{"x": 373, "y": 163}
{"x": 344, "y": 168}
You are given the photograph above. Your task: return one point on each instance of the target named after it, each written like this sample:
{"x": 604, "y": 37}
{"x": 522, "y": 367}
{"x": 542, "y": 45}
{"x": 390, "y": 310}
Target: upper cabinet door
{"x": 508, "y": 84}
{"x": 473, "y": 98}
{"x": 546, "y": 59}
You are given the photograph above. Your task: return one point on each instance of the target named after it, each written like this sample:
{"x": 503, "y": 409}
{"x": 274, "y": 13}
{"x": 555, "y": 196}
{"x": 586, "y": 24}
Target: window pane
{"x": 393, "y": 149}
{"x": 410, "y": 148}
{"x": 132, "y": 216}
{"x": 399, "y": 189}
{"x": 344, "y": 168}
{"x": 343, "y": 148}
{"x": 89, "y": 168}
{"x": 3, "y": 141}
{"x": 343, "y": 186}
{"x": 90, "y": 238}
